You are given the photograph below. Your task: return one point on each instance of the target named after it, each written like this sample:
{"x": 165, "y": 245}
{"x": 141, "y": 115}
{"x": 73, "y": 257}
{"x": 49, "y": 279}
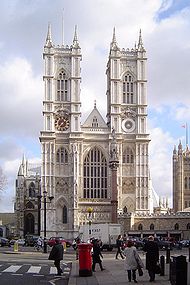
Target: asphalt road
{"x": 28, "y": 267}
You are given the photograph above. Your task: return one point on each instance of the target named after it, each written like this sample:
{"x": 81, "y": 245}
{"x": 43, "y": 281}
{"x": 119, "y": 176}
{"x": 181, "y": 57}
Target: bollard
{"x": 45, "y": 245}
{"x": 15, "y": 246}
{"x": 64, "y": 246}
{"x": 167, "y": 255}
{"x": 178, "y": 270}
{"x": 162, "y": 265}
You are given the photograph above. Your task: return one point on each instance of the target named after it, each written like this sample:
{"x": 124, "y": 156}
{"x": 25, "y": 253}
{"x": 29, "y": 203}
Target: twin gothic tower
{"x": 76, "y": 156}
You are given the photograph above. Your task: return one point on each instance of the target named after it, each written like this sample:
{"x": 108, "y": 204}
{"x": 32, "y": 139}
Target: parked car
{"x": 51, "y": 241}
{"x": 30, "y": 240}
{"x": 184, "y": 243}
{"x": 21, "y": 242}
{"x": 4, "y": 242}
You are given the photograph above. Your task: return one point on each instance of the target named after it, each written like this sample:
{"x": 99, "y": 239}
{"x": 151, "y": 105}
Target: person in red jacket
{"x": 56, "y": 254}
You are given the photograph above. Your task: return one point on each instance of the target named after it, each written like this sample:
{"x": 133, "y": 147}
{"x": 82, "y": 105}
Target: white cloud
{"x": 21, "y": 98}
{"x": 161, "y": 161}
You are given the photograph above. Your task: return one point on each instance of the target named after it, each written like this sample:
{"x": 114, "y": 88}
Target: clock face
{"x": 128, "y": 125}
{"x": 62, "y": 123}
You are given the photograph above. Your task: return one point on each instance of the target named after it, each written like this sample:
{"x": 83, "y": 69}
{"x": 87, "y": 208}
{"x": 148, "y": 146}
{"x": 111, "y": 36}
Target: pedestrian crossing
{"x": 33, "y": 269}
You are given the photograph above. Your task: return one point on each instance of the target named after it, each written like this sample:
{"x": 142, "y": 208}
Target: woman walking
{"x": 132, "y": 261}
{"x": 119, "y": 243}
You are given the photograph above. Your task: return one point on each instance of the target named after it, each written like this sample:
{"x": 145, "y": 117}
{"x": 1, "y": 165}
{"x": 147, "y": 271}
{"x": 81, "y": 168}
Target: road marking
{"x": 34, "y": 269}
{"x": 53, "y": 270}
{"x": 12, "y": 268}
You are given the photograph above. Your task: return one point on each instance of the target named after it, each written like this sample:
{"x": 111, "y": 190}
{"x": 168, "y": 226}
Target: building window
{"x": 31, "y": 190}
{"x": 62, "y": 87}
{"x": 95, "y": 122}
{"x": 140, "y": 227}
{"x": 128, "y": 156}
{"x": 185, "y": 183}
{"x": 176, "y": 226}
{"x": 128, "y": 89}
{"x": 152, "y": 227}
{"x": 95, "y": 174}
{"x": 64, "y": 215}
{"x": 62, "y": 156}
{"x": 188, "y": 226}
{"x": 125, "y": 209}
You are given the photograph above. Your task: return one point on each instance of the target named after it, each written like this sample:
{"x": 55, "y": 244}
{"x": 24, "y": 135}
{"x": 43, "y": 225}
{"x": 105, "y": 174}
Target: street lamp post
{"x": 90, "y": 221}
{"x": 45, "y": 212}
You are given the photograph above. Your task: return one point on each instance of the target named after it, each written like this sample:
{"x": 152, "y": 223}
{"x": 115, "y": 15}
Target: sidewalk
{"x": 114, "y": 275}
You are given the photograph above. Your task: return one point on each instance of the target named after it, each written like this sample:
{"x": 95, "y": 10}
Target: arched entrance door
{"x": 29, "y": 224}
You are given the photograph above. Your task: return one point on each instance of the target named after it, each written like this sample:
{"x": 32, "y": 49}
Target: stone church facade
{"x": 76, "y": 155}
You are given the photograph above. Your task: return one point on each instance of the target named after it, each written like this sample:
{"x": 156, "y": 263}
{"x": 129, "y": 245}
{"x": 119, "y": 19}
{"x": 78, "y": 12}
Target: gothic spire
{"x": 140, "y": 43}
{"x": 113, "y": 44}
{"x": 48, "y": 38}
{"x": 75, "y": 39}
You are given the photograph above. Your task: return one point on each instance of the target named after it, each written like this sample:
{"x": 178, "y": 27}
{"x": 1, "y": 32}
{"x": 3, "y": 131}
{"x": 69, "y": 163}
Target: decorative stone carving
{"x": 128, "y": 185}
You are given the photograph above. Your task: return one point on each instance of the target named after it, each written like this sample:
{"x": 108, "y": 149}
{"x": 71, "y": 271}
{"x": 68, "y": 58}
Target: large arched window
{"x": 62, "y": 155}
{"x": 62, "y": 87}
{"x": 128, "y": 156}
{"x": 95, "y": 174}
{"x": 31, "y": 190}
{"x": 128, "y": 89}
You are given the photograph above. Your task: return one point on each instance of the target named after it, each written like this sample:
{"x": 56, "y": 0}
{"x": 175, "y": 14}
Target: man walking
{"x": 152, "y": 257}
{"x": 56, "y": 254}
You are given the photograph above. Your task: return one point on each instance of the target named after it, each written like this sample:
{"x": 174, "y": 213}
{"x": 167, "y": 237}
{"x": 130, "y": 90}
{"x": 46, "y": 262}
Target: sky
{"x": 165, "y": 26}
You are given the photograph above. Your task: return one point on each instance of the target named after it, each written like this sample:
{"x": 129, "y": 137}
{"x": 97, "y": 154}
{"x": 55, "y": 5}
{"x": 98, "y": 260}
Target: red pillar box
{"x": 85, "y": 259}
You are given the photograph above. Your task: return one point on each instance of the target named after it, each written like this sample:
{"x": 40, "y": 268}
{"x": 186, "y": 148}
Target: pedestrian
{"x": 119, "y": 243}
{"x": 39, "y": 243}
{"x": 77, "y": 240}
{"x": 56, "y": 254}
{"x": 132, "y": 261}
{"x": 152, "y": 257}
{"x": 96, "y": 254}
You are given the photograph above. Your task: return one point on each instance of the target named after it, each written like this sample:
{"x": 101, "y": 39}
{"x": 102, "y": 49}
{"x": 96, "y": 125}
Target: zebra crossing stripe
{"x": 34, "y": 269}
{"x": 12, "y": 268}
{"x": 53, "y": 270}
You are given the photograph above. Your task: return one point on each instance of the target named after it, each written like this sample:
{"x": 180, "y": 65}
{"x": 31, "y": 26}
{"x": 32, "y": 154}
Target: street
{"x": 28, "y": 267}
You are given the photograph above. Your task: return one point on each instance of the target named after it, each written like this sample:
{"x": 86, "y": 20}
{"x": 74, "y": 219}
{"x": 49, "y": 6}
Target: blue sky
{"x": 165, "y": 28}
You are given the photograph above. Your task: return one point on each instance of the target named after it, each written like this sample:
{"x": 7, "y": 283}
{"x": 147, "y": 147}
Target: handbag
{"x": 139, "y": 268}
{"x": 157, "y": 269}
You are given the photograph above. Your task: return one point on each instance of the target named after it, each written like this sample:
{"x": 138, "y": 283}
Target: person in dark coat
{"x": 96, "y": 254}
{"x": 152, "y": 256}
{"x": 119, "y": 243}
{"x": 56, "y": 254}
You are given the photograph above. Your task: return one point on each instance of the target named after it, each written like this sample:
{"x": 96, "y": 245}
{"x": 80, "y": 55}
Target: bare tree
{"x": 3, "y": 180}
